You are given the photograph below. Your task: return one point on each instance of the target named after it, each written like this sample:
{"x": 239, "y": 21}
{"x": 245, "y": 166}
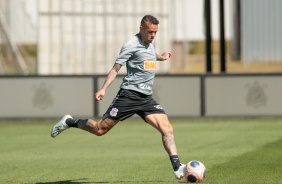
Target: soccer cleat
{"x": 180, "y": 172}
{"x": 60, "y": 126}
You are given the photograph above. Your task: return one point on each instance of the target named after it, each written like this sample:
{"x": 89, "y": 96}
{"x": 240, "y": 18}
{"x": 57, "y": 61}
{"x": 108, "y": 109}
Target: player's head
{"x": 148, "y": 28}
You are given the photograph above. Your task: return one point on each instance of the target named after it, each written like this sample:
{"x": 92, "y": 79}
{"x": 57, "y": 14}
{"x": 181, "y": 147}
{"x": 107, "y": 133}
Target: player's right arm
{"x": 110, "y": 78}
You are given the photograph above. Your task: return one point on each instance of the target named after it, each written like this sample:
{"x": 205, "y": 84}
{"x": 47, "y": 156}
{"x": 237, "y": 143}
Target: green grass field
{"x": 233, "y": 151}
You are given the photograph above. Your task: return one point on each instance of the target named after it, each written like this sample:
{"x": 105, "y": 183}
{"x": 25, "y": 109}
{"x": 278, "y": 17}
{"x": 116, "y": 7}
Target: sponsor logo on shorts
{"x": 114, "y": 112}
{"x": 158, "y": 107}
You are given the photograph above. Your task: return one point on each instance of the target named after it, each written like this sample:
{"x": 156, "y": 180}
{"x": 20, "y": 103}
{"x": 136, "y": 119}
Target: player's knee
{"x": 167, "y": 128}
{"x": 101, "y": 132}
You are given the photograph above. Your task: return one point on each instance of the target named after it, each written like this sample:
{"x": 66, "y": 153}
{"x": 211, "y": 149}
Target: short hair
{"x": 149, "y": 18}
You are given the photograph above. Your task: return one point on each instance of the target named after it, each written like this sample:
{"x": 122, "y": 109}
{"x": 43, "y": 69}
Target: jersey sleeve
{"x": 125, "y": 53}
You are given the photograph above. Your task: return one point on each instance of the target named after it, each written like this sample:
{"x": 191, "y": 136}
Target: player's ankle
{"x": 175, "y": 162}
{"x": 74, "y": 122}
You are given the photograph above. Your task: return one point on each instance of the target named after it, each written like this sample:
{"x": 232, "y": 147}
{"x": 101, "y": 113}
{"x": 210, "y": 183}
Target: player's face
{"x": 148, "y": 32}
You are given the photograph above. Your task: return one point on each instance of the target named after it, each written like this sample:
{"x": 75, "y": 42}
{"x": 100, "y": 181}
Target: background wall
{"x": 46, "y": 97}
{"x": 251, "y": 95}
{"x": 180, "y": 95}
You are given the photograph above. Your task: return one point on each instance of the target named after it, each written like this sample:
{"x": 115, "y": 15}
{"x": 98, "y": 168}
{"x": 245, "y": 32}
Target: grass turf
{"x": 233, "y": 151}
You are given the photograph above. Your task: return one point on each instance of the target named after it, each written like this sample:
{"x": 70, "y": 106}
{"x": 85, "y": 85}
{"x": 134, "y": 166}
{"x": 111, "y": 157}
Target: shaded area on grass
{"x": 260, "y": 166}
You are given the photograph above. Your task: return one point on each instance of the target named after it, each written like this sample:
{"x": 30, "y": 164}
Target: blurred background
{"x": 53, "y": 37}
{"x": 55, "y": 55}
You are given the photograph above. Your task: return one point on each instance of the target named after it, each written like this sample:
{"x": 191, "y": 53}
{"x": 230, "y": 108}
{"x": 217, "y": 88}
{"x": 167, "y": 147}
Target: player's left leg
{"x": 162, "y": 124}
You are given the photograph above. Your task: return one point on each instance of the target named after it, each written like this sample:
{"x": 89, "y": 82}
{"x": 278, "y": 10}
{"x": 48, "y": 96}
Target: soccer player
{"x": 135, "y": 94}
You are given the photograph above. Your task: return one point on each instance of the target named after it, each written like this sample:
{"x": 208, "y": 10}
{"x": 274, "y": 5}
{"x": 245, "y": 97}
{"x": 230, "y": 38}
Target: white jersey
{"x": 140, "y": 60}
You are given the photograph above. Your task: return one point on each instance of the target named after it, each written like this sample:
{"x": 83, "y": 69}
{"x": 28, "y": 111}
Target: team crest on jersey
{"x": 114, "y": 112}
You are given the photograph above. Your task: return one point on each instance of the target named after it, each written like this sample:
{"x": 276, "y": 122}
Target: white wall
{"x": 85, "y": 37}
{"x": 189, "y": 19}
{"x": 261, "y": 31}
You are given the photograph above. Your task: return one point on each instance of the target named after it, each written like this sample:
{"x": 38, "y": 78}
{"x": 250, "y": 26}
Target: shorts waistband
{"x": 137, "y": 93}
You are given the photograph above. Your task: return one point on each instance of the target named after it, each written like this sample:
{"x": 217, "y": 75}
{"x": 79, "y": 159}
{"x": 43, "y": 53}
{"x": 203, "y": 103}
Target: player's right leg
{"x": 98, "y": 128}
{"x": 120, "y": 109}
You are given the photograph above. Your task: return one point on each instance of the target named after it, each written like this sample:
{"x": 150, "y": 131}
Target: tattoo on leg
{"x": 98, "y": 128}
{"x": 89, "y": 126}
{"x": 106, "y": 124}
{"x": 162, "y": 124}
{"x": 169, "y": 144}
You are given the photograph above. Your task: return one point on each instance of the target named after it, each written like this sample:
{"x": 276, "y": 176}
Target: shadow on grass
{"x": 81, "y": 182}
{"x": 67, "y": 182}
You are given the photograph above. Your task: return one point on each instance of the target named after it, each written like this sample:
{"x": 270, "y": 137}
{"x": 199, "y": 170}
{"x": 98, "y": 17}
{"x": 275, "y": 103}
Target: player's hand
{"x": 100, "y": 94}
{"x": 166, "y": 55}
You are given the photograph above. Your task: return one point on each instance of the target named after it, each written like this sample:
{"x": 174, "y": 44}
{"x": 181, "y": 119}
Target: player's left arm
{"x": 164, "y": 56}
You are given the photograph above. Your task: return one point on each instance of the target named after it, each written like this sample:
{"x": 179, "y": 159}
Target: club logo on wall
{"x": 256, "y": 95}
{"x": 42, "y": 98}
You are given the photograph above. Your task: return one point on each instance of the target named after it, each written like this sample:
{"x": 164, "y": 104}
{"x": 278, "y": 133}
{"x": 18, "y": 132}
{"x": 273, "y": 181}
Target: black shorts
{"x": 128, "y": 102}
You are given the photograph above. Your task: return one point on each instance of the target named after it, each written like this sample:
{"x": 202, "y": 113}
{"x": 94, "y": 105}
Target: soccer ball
{"x": 195, "y": 171}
